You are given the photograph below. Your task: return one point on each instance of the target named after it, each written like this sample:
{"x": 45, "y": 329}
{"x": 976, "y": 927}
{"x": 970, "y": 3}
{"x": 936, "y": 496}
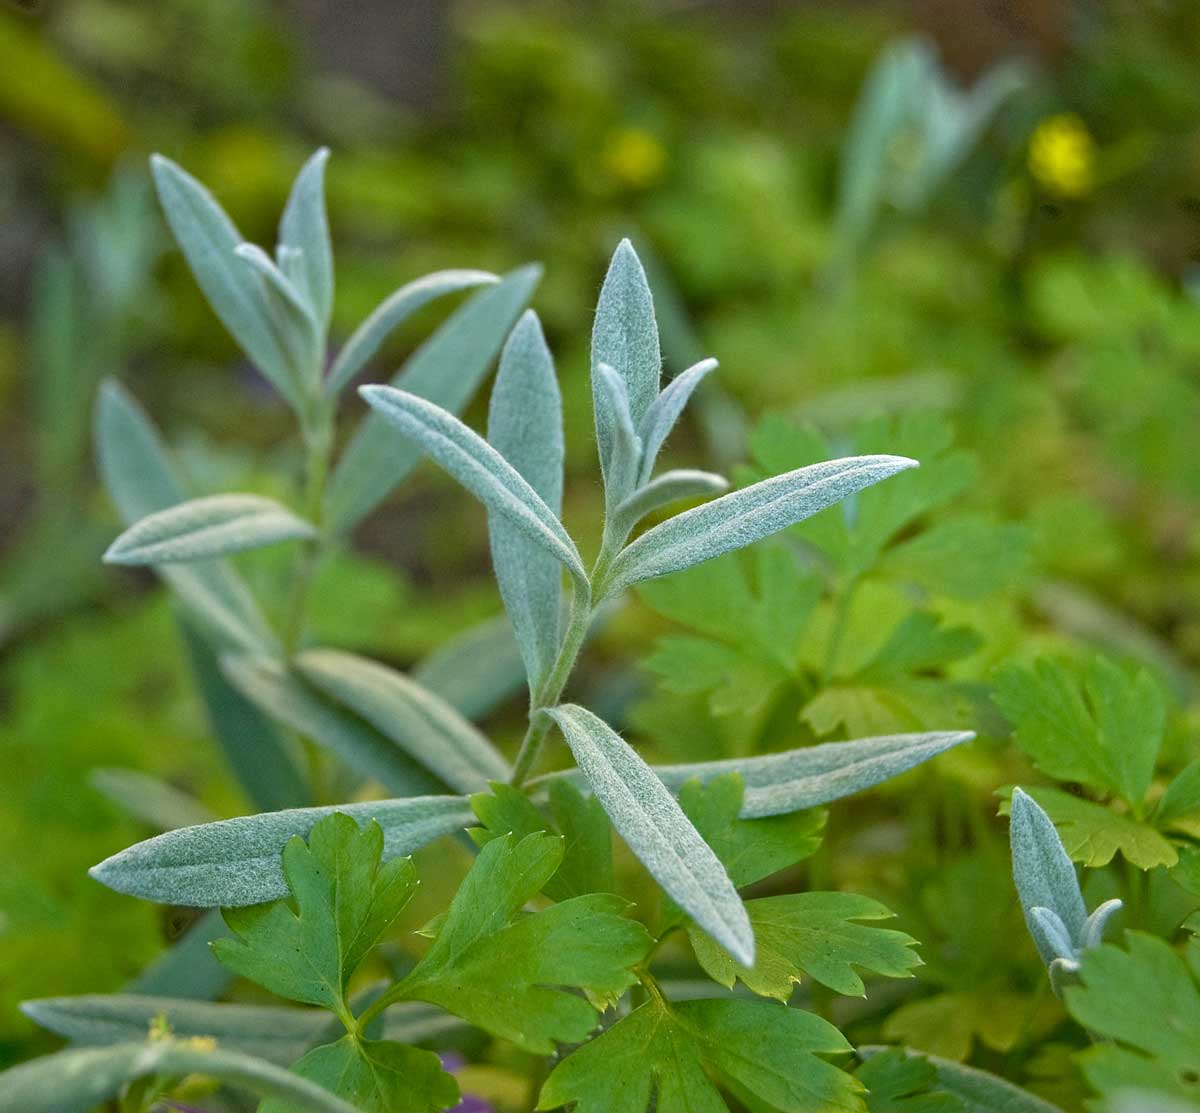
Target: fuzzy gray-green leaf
{"x": 478, "y": 467}
{"x": 202, "y": 528}
{"x": 429, "y": 730}
{"x": 621, "y": 450}
{"x": 671, "y": 486}
{"x": 655, "y": 828}
{"x": 658, "y": 421}
{"x": 743, "y": 517}
{"x": 525, "y": 427}
{"x": 392, "y": 312}
{"x": 236, "y": 862}
{"x": 304, "y": 227}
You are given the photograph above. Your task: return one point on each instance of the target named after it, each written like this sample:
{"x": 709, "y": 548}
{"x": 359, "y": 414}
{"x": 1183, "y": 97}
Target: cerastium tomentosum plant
{"x": 535, "y": 944}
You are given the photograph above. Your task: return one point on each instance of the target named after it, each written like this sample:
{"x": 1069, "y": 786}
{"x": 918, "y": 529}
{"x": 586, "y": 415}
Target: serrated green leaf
{"x": 376, "y": 1076}
{"x": 899, "y": 1082}
{"x": 498, "y": 969}
{"x": 949, "y": 1024}
{"x": 342, "y": 898}
{"x": 236, "y": 862}
{"x": 304, "y": 228}
{"x": 740, "y": 518}
{"x": 655, "y": 828}
{"x": 965, "y": 557}
{"x": 428, "y": 729}
{"x": 814, "y": 934}
{"x": 78, "y": 1080}
{"x": 525, "y": 427}
{"x": 479, "y": 468}
{"x": 445, "y": 370}
{"x": 199, "y": 529}
{"x": 661, "y": 1053}
{"x": 1182, "y": 797}
{"x": 392, "y": 312}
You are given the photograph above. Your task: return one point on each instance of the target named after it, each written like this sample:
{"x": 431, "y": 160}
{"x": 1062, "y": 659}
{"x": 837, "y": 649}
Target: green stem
{"x": 318, "y": 443}
{"x": 841, "y": 616}
{"x": 552, "y": 687}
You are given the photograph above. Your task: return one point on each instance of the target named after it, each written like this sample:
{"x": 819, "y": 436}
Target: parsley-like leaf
{"x": 501, "y": 970}
{"x": 660, "y": 1053}
{"x": 307, "y": 947}
{"x": 898, "y": 1082}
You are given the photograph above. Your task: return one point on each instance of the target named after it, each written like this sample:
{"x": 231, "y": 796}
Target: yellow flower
{"x": 1062, "y": 155}
{"x": 634, "y": 157}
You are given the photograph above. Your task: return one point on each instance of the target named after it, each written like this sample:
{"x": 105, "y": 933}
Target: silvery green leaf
{"x": 142, "y": 478}
{"x": 446, "y": 370}
{"x": 1093, "y": 929}
{"x": 188, "y": 968}
{"x": 304, "y": 228}
{"x": 236, "y": 862}
{"x": 390, "y": 314}
{"x": 427, "y": 728}
{"x": 625, "y": 336}
{"x": 279, "y": 1035}
{"x": 476, "y": 670}
{"x": 743, "y": 517}
{"x": 1050, "y": 933}
{"x": 269, "y": 685}
{"x": 525, "y": 427}
{"x": 621, "y": 451}
{"x": 479, "y": 468}
{"x": 208, "y": 239}
{"x": 77, "y": 1080}
{"x": 265, "y": 759}
{"x": 202, "y": 528}
{"x": 654, "y": 827}
{"x": 779, "y": 783}
{"x": 154, "y": 802}
{"x": 1043, "y": 873}
{"x": 671, "y": 486}
{"x": 658, "y": 421}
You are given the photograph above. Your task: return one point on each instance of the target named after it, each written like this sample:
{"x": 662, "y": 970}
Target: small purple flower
{"x": 453, "y": 1062}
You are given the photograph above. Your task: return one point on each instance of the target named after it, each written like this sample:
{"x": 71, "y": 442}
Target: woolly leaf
{"x": 342, "y": 899}
{"x": 475, "y": 670}
{"x": 499, "y": 970}
{"x": 623, "y": 448}
{"x": 304, "y": 228}
{"x": 236, "y": 862}
{"x": 428, "y": 729}
{"x": 207, "y": 527}
{"x": 655, "y": 828}
{"x": 661, "y": 1053}
{"x": 525, "y": 427}
{"x": 658, "y": 421}
{"x": 671, "y": 486}
{"x": 479, "y": 468}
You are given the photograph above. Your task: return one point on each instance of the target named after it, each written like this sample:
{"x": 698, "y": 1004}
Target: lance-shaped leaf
{"x": 208, "y": 239}
{"x": 299, "y": 334}
{"x": 743, "y": 517}
{"x": 804, "y": 778}
{"x": 428, "y": 729}
{"x": 525, "y": 427}
{"x": 271, "y": 686}
{"x": 671, "y": 486}
{"x": 476, "y": 670}
{"x": 622, "y": 450}
{"x": 236, "y": 862}
{"x": 390, "y": 314}
{"x": 479, "y": 468}
{"x": 187, "y": 968}
{"x": 153, "y": 801}
{"x": 304, "y": 228}
{"x": 200, "y": 529}
{"x": 279, "y": 1035}
{"x": 342, "y": 898}
{"x": 446, "y": 370}
{"x": 625, "y": 337}
{"x": 658, "y": 421}
{"x": 141, "y": 478}
{"x": 655, "y": 828}
{"x": 76, "y": 1081}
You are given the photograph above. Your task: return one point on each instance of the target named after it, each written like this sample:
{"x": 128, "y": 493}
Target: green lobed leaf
{"x": 740, "y": 518}
{"x": 342, "y": 899}
{"x": 660, "y": 1053}
{"x": 525, "y": 427}
{"x": 1182, "y": 797}
{"x": 304, "y": 228}
{"x": 199, "y": 529}
{"x": 376, "y": 1076}
{"x": 445, "y": 370}
{"x": 814, "y": 934}
{"x": 479, "y": 468}
{"x": 392, "y": 312}
{"x": 428, "y": 729}
{"x": 77, "y": 1080}
{"x": 236, "y": 862}
{"x": 655, "y": 828}
{"x": 500, "y": 970}
{"x": 899, "y": 1082}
